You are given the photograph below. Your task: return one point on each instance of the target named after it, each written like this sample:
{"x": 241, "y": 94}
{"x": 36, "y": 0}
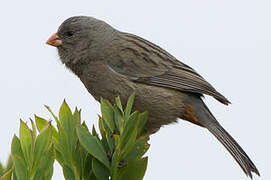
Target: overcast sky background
{"x": 228, "y": 42}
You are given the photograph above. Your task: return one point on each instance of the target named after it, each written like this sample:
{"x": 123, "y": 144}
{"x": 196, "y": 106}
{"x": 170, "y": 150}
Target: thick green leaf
{"x": 68, "y": 173}
{"x": 118, "y": 103}
{"x": 34, "y": 131}
{"x": 59, "y": 157}
{"x": 129, "y": 106}
{"x": 118, "y": 118}
{"x": 130, "y": 126}
{"x": 140, "y": 148}
{"x": 91, "y": 176}
{"x": 108, "y": 114}
{"x": 18, "y": 159}
{"x": 115, "y": 163}
{"x": 129, "y": 144}
{"x": 94, "y": 132}
{"x": 47, "y": 161}
{"x": 77, "y": 116}
{"x": 142, "y": 120}
{"x": 79, "y": 156}
{"x": 116, "y": 139}
{"x": 110, "y": 141}
{"x": 87, "y": 170}
{"x": 42, "y": 145}
{"x": 9, "y": 163}
{"x": 63, "y": 146}
{"x": 26, "y": 142}
{"x": 84, "y": 125}
{"x": 41, "y": 123}
{"x": 50, "y": 173}
{"x": 135, "y": 170}
{"x": 100, "y": 171}
{"x": 67, "y": 131}
{"x": 65, "y": 116}
{"x": 101, "y": 128}
{"x": 6, "y": 171}
{"x": 14, "y": 176}
{"x": 92, "y": 145}
{"x": 7, "y": 174}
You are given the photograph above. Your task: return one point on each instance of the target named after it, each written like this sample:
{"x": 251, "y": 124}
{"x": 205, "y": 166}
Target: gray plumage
{"x": 112, "y": 63}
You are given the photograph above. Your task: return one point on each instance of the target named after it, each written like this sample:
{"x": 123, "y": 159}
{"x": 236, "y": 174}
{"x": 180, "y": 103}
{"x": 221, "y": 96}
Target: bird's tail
{"x": 234, "y": 148}
{"x": 207, "y": 120}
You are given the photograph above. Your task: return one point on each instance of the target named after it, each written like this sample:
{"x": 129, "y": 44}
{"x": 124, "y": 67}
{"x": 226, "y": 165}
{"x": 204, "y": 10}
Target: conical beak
{"x": 54, "y": 40}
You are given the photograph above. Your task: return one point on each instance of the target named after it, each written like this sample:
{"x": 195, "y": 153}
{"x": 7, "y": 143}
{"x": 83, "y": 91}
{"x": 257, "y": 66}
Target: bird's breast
{"x": 100, "y": 81}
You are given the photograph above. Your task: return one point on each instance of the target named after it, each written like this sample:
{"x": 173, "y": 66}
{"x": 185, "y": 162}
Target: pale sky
{"x": 228, "y": 42}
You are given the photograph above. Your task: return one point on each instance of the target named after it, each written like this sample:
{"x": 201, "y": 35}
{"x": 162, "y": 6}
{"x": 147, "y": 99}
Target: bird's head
{"x": 81, "y": 38}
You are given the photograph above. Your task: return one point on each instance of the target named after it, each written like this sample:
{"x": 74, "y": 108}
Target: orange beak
{"x": 54, "y": 40}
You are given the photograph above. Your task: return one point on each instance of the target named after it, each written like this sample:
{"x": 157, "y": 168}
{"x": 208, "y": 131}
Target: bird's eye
{"x": 69, "y": 33}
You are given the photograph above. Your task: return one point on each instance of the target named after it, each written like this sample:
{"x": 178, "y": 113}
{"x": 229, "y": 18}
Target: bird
{"x": 113, "y": 63}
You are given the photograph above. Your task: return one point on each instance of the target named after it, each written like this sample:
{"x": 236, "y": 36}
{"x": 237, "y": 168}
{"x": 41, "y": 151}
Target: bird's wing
{"x": 143, "y": 62}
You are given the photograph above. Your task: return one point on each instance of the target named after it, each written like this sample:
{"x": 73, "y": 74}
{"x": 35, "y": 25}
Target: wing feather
{"x": 141, "y": 61}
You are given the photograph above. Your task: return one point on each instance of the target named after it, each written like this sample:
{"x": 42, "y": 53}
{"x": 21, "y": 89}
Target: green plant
{"x": 116, "y": 152}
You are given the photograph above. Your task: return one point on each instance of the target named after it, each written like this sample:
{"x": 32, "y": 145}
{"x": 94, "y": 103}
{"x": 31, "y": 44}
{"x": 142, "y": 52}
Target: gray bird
{"x": 111, "y": 63}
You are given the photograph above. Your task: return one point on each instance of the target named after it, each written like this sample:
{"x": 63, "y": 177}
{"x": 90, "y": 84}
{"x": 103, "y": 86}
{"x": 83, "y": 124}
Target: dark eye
{"x": 68, "y": 33}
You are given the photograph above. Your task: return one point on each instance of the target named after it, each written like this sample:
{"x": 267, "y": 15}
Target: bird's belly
{"x": 164, "y": 105}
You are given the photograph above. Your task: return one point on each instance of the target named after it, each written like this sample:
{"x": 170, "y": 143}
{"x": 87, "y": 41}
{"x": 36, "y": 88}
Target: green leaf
{"x": 129, "y": 105}
{"x": 101, "y": 128}
{"x": 118, "y": 103}
{"x": 83, "y": 125}
{"x": 103, "y": 134}
{"x": 41, "y": 123}
{"x": 47, "y": 161}
{"x": 7, "y": 174}
{"x": 50, "y": 173}
{"x": 67, "y": 129}
{"x": 65, "y": 116}
{"x": 130, "y": 126}
{"x": 68, "y": 173}
{"x": 42, "y": 145}
{"x": 92, "y": 145}
{"x": 107, "y": 114}
{"x": 129, "y": 144}
{"x": 110, "y": 142}
{"x": 87, "y": 170}
{"x": 94, "y": 132}
{"x": 92, "y": 176}
{"x": 9, "y": 163}
{"x": 140, "y": 148}
{"x": 135, "y": 170}
{"x": 6, "y": 171}
{"x": 100, "y": 171}
{"x": 115, "y": 163}
{"x": 77, "y": 116}
{"x": 79, "y": 157}
{"x": 118, "y": 118}
{"x": 63, "y": 146}
{"x": 18, "y": 159}
{"x": 51, "y": 112}
{"x": 142, "y": 120}
{"x": 59, "y": 157}
{"x": 26, "y": 142}
{"x": 34, "y": 131}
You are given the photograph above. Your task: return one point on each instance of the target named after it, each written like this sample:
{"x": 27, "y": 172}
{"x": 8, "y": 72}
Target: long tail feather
{"x": 199, "y": 114}
{"x": 233, "y": 147}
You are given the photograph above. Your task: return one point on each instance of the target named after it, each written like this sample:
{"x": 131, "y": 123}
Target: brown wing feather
{"x": 144, "y": 62}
